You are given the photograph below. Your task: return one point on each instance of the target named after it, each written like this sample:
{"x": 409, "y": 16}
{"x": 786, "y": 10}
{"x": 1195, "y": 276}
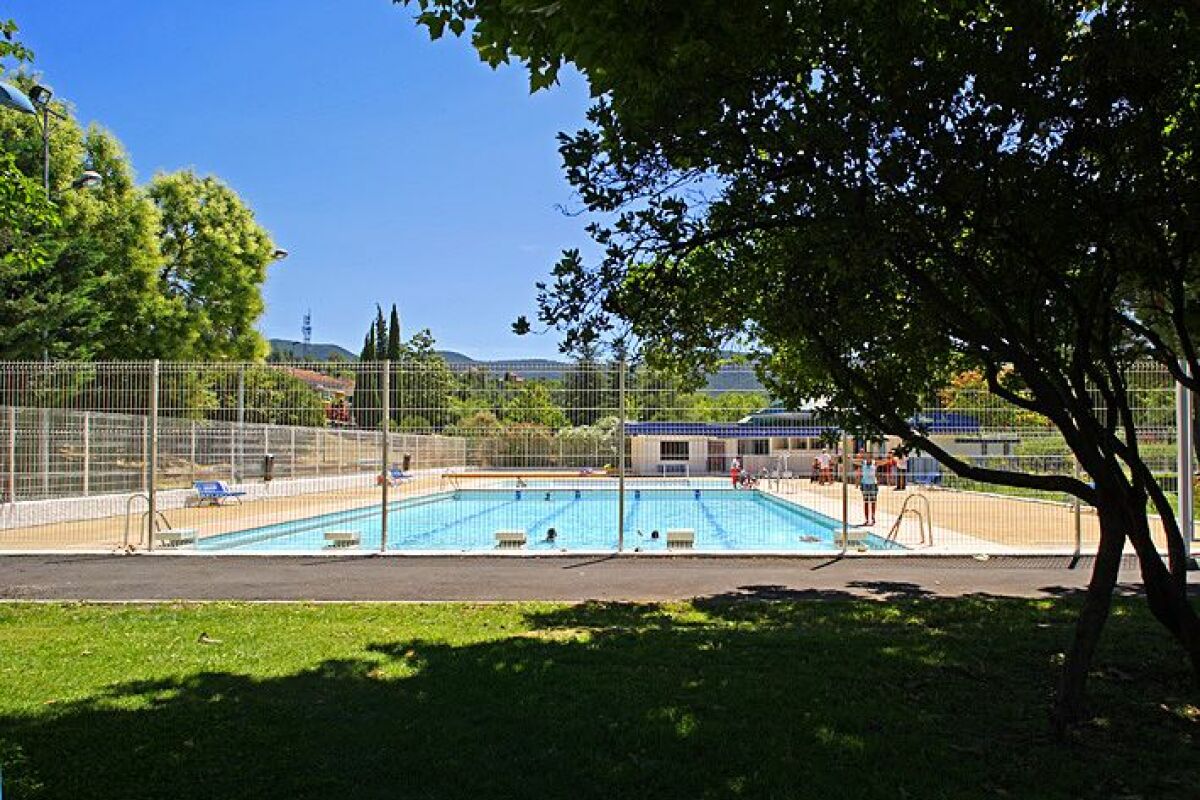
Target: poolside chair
{"x": 213, "y": 492}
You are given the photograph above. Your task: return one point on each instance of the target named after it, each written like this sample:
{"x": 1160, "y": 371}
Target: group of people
{"x": 743, "y": 478}
{"x": 894, "y": 466}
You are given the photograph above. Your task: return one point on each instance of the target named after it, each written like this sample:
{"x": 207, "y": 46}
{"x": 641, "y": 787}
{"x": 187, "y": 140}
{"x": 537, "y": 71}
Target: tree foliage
{"x": 879, "y": 195}
{"x": 215, "y": 258}
{"x": 171, "y": 270}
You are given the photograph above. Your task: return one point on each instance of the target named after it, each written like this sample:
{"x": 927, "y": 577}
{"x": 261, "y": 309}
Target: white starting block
{"x": 174, "y": 537}
{"x": 511, "y": 540}
{"x": 682, "y": 539}
{"x": 342, "y": 538}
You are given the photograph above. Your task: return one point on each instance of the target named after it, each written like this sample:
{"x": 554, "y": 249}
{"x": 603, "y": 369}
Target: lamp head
{"x": 40, "y": 95}
{"x": 14, "y": 98}
{"x": 280, "y": 254}
{"x": 88, "y": 179}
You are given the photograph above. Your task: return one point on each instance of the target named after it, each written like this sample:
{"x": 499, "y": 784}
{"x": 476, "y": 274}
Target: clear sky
{"x": 394, "y": 169}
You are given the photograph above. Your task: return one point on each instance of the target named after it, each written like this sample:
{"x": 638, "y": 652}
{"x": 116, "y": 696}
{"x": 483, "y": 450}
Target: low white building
{"x": 771, "y": 439}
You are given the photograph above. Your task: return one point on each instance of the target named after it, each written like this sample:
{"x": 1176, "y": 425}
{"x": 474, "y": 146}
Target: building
{"x": 774, "y": 439}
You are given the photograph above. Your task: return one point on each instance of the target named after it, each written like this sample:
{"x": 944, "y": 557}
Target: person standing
{"x": 825, "y": 466}
{"x": 901, "y": 470}
{"x": 735, "y": 471}
{"x": 868, "y": 483}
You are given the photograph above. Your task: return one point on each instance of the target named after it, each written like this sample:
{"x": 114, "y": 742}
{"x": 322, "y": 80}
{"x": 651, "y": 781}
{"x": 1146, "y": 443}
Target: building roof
{"x": 322, "y": 382}
{"x": 720, "y": 430}
{"x": 933, "y": 422}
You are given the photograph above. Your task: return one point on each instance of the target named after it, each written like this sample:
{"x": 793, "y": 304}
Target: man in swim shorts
{"x": 868, "y": 483}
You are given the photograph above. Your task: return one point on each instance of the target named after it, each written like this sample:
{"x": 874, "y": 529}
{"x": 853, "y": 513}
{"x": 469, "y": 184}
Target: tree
{"x": 368, "y": 403}
{"x": 394, "y": 352}
{"x": 879, "y": 195}
{"x": 532, "y": 404}
{"x": 99, "y": 297}
{"x": 28, "y": 225}
{"x": 216, "y": 257}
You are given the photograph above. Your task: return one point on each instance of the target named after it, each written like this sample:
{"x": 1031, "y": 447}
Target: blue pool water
{"x": 466, "y": 520}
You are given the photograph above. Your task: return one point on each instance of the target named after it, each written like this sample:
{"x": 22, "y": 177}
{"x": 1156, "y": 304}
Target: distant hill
{"x": 728, "y": 379}
{"x": 321, "y": 352}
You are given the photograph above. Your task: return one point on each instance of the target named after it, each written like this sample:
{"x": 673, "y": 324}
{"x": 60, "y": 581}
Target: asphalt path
{"x": 570, "y": 579}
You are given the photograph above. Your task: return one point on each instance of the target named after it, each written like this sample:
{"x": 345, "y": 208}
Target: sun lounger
{"x": 213, "y": 492}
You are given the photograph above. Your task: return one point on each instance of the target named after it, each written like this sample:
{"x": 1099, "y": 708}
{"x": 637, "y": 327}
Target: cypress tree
{"x": 394, "y": 353}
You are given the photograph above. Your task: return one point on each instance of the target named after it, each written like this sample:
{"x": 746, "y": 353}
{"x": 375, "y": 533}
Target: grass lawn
{"x": 904, "y": 699}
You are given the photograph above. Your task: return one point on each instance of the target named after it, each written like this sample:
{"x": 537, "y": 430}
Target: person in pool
{"x": 551, "y": 535}
{"x": 868, "y": 483}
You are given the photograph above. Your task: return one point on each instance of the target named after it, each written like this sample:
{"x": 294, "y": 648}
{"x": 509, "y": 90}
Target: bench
{"x": 681, "y": 539}
{"x": 511, "y": 540}
{"x": 174, "y": 537}
{"x": 342, "y": 539}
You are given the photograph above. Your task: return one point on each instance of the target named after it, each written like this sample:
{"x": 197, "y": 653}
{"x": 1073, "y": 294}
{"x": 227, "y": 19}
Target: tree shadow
{"x": 723, "y": 698}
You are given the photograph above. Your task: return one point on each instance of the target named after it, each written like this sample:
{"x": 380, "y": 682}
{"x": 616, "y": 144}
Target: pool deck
{"x": 963, "y": 523}
{"x": 364, "y": 578}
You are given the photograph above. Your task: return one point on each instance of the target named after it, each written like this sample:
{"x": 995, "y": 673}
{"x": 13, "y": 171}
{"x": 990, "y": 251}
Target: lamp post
{"x": 38, "y": 100}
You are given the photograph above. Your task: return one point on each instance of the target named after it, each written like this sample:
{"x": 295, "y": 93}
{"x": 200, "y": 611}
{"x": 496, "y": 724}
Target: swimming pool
{"x": 583, "y": 520}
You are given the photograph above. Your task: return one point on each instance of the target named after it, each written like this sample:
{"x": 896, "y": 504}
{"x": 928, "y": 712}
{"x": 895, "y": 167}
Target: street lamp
{"x": 14, "y": 98}
{"x": 88, "y": 179}
{"x": 279, "y": 254}
{"x": 37, "y": 100}
{"x": 40, "y": 95}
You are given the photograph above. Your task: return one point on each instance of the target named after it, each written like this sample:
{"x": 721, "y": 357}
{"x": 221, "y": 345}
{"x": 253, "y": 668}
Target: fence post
{"x": 621, "y": 455}
{"x": 1183, "y": 464}
{"x": 44, "y": 435}
{"x": 239, "y": 469}
{"x": 87, "y": 451}
{"x": 192, "y": 453}
{"x": 845, "y": 491}
{"x": 383, "y": 472}
{"x": 12, "y": 454}
{"x": 1077, "y": 513}
{"x": 145, "y": 453}
{"x": 152, "y": 420}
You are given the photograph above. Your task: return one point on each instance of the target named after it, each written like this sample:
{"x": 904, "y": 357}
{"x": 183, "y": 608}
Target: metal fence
{"x": 531, "y": 456}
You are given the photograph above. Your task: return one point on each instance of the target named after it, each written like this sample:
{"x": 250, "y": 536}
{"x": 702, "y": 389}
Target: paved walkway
{"x": 128, "y": 578}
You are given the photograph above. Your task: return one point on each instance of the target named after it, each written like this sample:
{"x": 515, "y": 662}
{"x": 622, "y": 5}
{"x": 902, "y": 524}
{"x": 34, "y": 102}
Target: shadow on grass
{"x": 725, "y": 698}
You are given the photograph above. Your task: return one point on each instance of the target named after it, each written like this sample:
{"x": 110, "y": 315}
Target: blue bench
{"x": 213, "y": 492}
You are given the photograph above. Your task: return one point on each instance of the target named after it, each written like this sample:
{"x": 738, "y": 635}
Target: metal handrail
{"x": 925, "y": 520}
{"x": 128, "y": 511}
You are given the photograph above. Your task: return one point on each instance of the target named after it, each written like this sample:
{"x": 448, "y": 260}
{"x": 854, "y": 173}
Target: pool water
{"x": 584, "y": 520}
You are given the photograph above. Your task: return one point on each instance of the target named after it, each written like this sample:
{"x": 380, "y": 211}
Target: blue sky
{"x": 394, "y": 169}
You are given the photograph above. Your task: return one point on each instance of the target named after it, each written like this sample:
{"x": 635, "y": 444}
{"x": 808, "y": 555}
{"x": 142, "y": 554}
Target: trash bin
{"x": 406, "y": 462}
{"x": 268, "y": 466}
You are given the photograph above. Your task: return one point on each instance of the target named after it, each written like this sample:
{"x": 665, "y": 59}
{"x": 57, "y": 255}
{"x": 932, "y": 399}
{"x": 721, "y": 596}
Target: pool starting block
{"x": 342, "y": 538}
{"x": 511, "y": 540}
{"x": 681, "y": 539}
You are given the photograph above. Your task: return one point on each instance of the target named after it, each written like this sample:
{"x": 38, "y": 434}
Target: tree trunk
{"x": 1070, "y": 706}
{"x": 1166, "y": 596}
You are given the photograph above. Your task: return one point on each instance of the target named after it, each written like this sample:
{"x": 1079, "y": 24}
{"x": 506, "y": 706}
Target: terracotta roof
{"x": 321, "y": 381}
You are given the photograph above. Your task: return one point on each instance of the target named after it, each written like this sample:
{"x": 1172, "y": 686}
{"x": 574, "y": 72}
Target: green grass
{"x": 838, "y": 699}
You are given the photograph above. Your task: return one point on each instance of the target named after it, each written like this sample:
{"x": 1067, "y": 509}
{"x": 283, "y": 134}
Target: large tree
{"x": 880, "y": 194}
{"x": 215, "y": 261}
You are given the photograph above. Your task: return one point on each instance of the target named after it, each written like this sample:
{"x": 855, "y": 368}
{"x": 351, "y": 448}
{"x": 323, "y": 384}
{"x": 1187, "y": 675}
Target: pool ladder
{"x": 924, "y": 520}
{"x": 158, "y": 517}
